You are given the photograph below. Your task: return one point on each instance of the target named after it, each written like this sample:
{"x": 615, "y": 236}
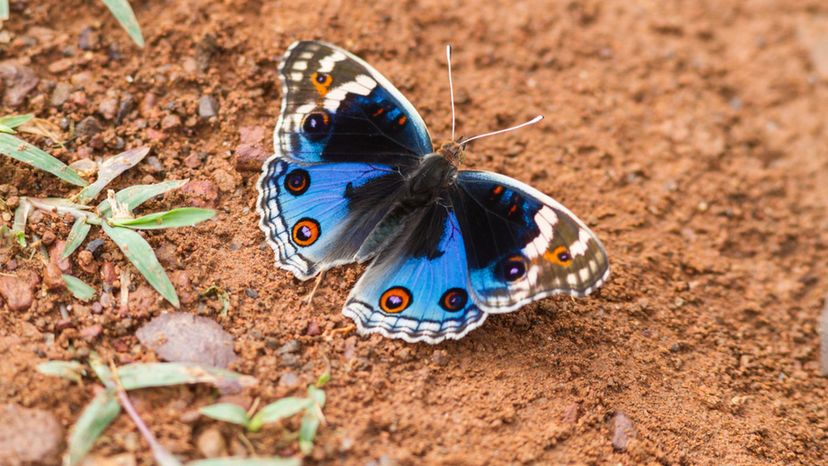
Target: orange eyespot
{"x": 297, "y": 182}
{"x": 401, "y": 121}
{"x": 559, "y": 256}
{"x": 454, "y": 299}
{"x": 305, "y": 232}
{"x": 322, "y": 82}
{"x": 395, "y": 299}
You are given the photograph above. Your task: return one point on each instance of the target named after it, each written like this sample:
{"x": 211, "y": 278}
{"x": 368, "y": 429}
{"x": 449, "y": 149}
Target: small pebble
{"x": 292, "y": 346}
{"x": 211, "y": 444}
{"x": 207, "y": 106}
{"x": 94, "y": 247}
{"x": 622, "y": 431}
{"x": 313, "y": 330}
{"x": 289, "y": 380}
{"x": 251, "y": 293}
{"x": 88, "y": 127}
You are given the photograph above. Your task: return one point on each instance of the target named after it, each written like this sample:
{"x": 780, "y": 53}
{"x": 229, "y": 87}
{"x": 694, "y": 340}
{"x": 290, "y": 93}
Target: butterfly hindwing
{"x": 417, "y": 289}
{"x": 522, "y": 245}
{"x": 317, "y": 216}
{"x": 337, "y": 108}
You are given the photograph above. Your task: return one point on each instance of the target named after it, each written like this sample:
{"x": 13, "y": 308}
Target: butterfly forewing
{"x": 346, "y": 137}
{"x": 337, "y": 108}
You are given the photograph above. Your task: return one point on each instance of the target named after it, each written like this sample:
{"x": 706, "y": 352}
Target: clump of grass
{"x": 113, "y": 215}
{"x": 117, "y": 381}
{"x": 311, "y": 405}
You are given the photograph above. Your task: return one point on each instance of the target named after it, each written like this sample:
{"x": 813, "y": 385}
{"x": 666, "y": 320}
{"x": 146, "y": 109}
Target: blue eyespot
{"x": 297, "y": 182}
{"x": 454, "y": 299}
{"x": 513, "y": 268}
{"x": 315, "y": 126}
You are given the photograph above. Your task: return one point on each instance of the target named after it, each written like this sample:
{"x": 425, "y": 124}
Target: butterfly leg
{"x": 309, "y": 299}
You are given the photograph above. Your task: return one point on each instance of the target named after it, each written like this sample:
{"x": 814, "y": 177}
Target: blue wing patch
{"x": 421, "y": 296}
{"x": 317, "y": 216}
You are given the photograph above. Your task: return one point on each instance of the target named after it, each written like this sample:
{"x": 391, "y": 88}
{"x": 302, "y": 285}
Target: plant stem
{"x": 161, "y": 454}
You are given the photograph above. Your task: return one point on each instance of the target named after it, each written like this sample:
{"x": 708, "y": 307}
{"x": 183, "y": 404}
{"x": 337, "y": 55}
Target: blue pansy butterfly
{"x": 355, "y": 178}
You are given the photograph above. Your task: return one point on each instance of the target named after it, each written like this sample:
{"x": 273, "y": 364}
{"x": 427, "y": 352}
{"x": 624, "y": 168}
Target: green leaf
{"x": 134, "y": 196}
{"x": 317, "y": 395}
{"x": 278, "y": 410}
{"x": 21, "y": 216}
{"x": 139, "y": 252}
{"x": 161, "y": 374}
{"x": 98, "y": 414}
{"x": 78, "y": 288}
{"x": 4, "y": 10}
{"x": 9, "y": 122}
{"x": 181, "y": 217}
{"x": 71, "y": 370}
{"x": 21, "y": 150}
{"x": 227, "y": 412}
{"x": 123, "y": 13}
{"x": 76, "y": 236}
{"x": 110, "y": 169}
{"x": 274, "y": 461}
{"x": 323, "y": 379}
{"x": 307, "y": 432}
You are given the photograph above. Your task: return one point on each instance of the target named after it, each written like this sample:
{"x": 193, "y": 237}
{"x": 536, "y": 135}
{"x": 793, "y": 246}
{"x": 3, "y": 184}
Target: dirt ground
{"x": 691, "y": 137}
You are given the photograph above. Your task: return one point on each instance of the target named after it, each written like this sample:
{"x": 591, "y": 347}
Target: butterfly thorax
{"x": 434, "y": 174}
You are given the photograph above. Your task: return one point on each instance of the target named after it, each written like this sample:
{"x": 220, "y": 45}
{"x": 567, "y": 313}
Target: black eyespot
{"x": 297, "y": 182}
{"x": 316, "y": 125}
{"x": 564, "y": 256}
{"x": 454, "y": 299}
{"x": 321, "y": 78}
{"x": 512, "y": 268}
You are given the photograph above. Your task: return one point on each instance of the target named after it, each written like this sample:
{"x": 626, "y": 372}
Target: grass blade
{"x": 182, "y": 217}
{"x": 278, "y": 410}
{"x": 227, "y": 412}
{"x": 307, "y": 432}
{"x": 110, "y": 169}
{"x": 139, "y": 252}
{"x": 80, "y": 229}
{"x": 4, "y": 10}
{"x": 9, "y": 122}
{"x": 71, "y": 370}
{"x": 247, "y": 462}
{"x": 21, "y": 150}
{"x": 136, "y": 195}
{"x": 161, "y": 374}
{"x": 78, "y": 288}
{"x": 21, "y": 216}
{"x": 98, "y": 414}
{"x": 317, "y": 395}
{"x": 123, "y": 13}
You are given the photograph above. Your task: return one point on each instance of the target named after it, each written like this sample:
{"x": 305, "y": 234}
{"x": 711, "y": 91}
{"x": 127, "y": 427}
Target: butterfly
{"x": 355, "y": 178}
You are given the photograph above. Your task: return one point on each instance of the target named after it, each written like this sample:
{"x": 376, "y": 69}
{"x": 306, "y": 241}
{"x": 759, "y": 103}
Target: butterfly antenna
{"x": 451, "y": 89}
{"x": 506, "y": 130}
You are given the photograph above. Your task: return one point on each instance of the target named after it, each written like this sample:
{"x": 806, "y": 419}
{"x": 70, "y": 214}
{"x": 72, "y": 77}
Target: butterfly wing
{"x": 337, "y": 108}
{"x": 417, "y": 288}
{"x": 317, "y": 216}
{"x": 522, "y": 245}
{"x": 351, "y": 135}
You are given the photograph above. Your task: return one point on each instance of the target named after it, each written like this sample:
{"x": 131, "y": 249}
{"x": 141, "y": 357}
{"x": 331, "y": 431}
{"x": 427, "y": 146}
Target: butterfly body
{"x": 355, "y": 178}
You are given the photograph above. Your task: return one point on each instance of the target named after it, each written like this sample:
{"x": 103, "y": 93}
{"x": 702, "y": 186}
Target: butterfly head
{"x": 453, "y": 151}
